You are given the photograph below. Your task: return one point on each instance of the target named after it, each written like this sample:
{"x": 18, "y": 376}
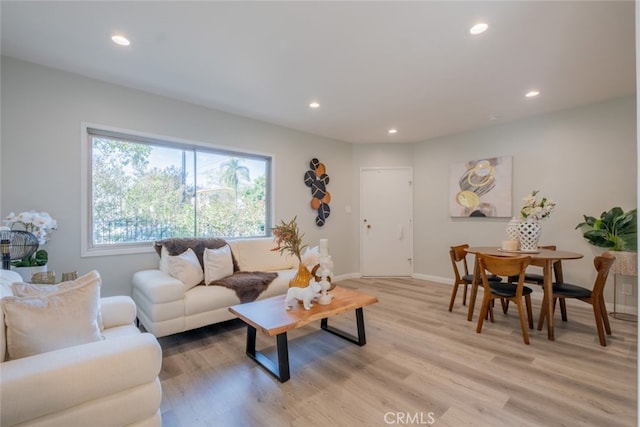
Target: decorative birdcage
{"x": 16, "y": 244}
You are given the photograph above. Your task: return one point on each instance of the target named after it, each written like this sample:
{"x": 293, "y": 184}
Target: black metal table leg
{"x": 283, "y": 357}
{"x": 251, "y": 341}
{"x": 361, "y": 339}
{"x": 281, "y": 370}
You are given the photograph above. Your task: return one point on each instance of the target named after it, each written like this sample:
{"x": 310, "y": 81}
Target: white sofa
{"x": 113, "y": 382}
{"x": 166, "y": 306}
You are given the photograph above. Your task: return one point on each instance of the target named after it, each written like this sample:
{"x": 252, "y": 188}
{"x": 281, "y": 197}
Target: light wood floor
{"x": 421, "y": 366}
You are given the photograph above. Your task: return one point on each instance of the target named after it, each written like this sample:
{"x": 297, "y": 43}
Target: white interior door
{"x": 386, "y": 221}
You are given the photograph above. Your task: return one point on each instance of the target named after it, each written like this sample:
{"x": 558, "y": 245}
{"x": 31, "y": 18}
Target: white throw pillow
{"x": 217, "y": 264}
{"x": 163, "y": 265}
{"x": 258, "y": 255}
{"x": 186, "y": 268}
{"x": 46, "y": 323}
{"x": 36, "y": 290}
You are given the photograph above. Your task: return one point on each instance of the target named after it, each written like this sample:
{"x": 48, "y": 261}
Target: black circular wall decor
{"x": 324, "y": 178}
{"x": 313, "y": 164}
{"x": 323, "y": 213}
{"x": 309, "y": 178}
{"x": 317, "y": 180}
{"x": 318, "y": 189}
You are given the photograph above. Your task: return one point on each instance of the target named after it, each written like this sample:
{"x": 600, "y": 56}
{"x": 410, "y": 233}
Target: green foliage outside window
{"x": 143, "y": 192}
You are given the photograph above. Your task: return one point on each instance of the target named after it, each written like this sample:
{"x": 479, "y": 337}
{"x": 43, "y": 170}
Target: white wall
{"x": 42, "y": 109}
{"x": 584, "y": 159}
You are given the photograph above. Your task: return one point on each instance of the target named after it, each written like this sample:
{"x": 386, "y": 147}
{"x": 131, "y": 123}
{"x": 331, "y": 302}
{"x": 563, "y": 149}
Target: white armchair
{"x": 111, "y": 382}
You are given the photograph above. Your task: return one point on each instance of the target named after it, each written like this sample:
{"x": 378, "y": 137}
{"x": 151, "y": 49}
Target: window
{"x": 141, "y": 189}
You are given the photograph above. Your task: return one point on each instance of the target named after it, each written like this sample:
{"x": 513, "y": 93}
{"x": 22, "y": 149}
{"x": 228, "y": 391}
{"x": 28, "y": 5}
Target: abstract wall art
{"x": 317, "y": 179}
{"x": 481, "y": 188}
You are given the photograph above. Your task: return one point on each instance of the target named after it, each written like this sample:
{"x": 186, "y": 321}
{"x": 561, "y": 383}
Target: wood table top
{"x": 541, "y": 253}
{"x": 272, "y": 318}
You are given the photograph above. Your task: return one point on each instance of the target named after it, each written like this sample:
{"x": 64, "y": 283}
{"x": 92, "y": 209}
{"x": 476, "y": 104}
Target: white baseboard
{"x": 347, "y": 276}
{"x": 430, "y": 278}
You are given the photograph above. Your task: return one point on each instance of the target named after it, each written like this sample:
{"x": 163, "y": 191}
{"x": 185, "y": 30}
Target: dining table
{"x": 548, "y": 259}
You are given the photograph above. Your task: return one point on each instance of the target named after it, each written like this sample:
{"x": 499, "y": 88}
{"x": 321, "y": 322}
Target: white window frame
{"x": 86, "y": 245}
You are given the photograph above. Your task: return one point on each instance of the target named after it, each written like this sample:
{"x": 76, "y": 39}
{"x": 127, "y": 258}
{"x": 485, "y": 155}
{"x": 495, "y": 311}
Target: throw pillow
{"x": 217, "y": 264}
{"x": 35, "y": 290}
{"x": 177, "y": 245}
{"x": 186, "y": 268}
{"x": 163, "y": 265}
{"x": 46, "y": 323}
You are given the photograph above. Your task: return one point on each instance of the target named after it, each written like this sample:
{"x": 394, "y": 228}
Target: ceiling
{"x": 371, "y": 65}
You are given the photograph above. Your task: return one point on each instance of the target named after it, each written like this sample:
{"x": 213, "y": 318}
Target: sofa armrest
{"x": 117, "y": 311}
{"x": 158, "y": 287}
{"x": 51, "y": 382}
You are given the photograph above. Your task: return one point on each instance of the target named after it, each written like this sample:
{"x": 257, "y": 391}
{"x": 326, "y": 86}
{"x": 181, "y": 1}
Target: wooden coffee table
{"x": 271, "y": 317}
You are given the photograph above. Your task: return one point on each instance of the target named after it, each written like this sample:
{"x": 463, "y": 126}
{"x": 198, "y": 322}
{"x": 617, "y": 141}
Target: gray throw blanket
{"x": 248, "y": 285}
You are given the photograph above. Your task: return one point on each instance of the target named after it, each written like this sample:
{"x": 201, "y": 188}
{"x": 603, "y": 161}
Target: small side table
{"x": 626, "y": 264}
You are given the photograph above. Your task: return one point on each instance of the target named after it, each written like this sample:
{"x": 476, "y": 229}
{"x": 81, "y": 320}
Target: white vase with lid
{"x": 529, "y": 234}
{"x": 512, "y": 229}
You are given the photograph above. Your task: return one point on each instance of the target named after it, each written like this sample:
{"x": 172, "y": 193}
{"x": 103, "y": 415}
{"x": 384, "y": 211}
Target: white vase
{"x": 529, "y": 234}
{"x": 27, "y": 272}
{"x": 513, "y": 233}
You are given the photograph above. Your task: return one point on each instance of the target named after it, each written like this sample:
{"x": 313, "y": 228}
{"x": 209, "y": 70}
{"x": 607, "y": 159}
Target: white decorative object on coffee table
{"x": 326, "y": 267}
{"x": 302, "y": 294}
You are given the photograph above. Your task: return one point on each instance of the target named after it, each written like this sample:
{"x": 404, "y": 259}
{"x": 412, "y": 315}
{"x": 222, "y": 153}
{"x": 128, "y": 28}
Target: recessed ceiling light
{"x": 121, "y": 40}
{"x": 392, "y": 131}
{"x": 532, "y": 93}
{"x": 479, "y": 28}
{"x": 314, "y": 104}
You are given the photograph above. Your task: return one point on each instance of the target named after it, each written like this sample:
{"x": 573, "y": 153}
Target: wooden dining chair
{"x": 535, "y": 278}
{"x": 538, "y": 279}
{"x": 458, "y": 257}
{"x": 594, "y": 296}
{"x": 505, "y": 266}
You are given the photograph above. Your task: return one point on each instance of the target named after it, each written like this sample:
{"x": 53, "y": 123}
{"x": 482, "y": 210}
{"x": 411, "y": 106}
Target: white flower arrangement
{"x": 39, "y": 223}
{"x": 310, "y": 257}
{"x": 534, "y": 209}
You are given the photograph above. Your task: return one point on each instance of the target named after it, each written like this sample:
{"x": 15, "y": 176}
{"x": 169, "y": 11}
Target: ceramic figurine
{"x": 302, "y": 294}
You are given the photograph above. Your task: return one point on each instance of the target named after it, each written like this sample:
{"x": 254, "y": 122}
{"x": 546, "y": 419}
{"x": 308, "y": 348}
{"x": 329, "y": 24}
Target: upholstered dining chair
{"x": 594, "y": 296}
{"x": 458, "y": 257}
{"x": 505, "y": 266}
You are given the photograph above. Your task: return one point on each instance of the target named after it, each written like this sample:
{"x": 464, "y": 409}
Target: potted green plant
{"x": 615, "y": 229}
{"x": 38, "y": 259}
